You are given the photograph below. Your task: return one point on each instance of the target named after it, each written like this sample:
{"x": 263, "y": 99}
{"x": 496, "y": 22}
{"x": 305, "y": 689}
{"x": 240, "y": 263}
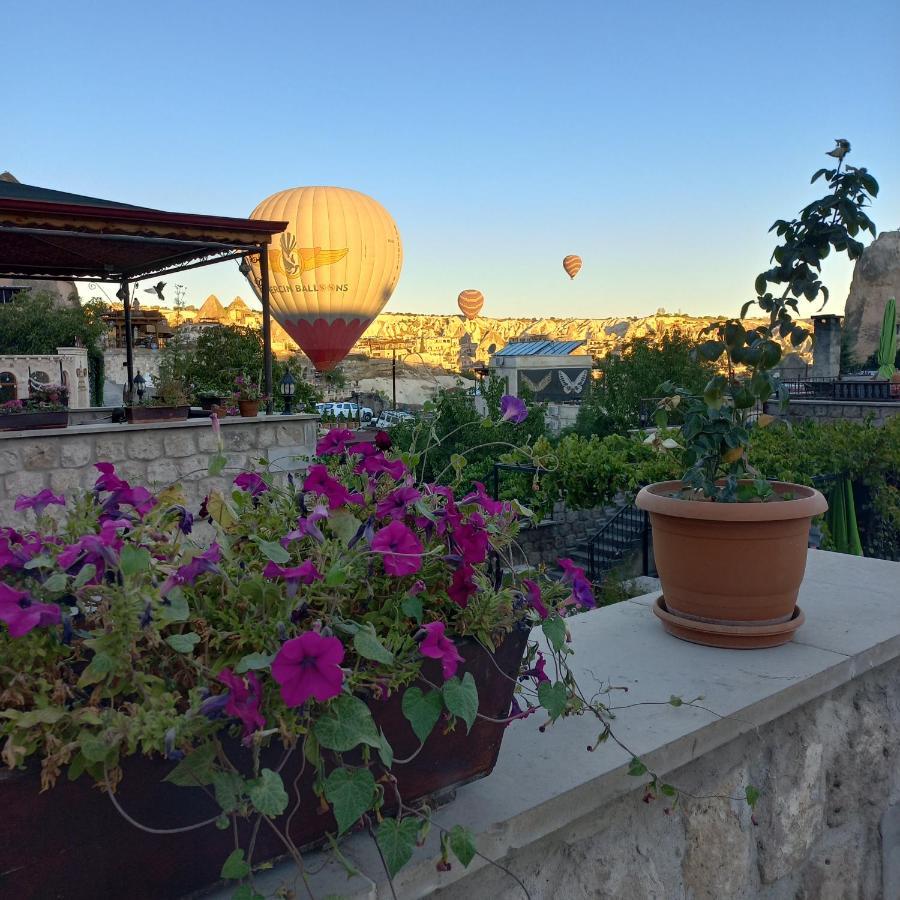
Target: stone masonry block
{"x": 71, "y": 481}
{"x": 147, "y": 445}
{"x": 238, "y": 438}
{"x": 25, "y": 483}
{"x": 40, "y": 455}
{"x": 179, "y": 443}
{"x": 162, "y": 472}
{"x": 109, "y": 448}
{"x": 9, "y": 462}
{"x": 76, "y": 452}
{"x": 207, "y": 442}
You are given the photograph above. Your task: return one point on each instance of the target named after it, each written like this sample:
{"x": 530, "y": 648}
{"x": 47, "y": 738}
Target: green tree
{"x": 613, "y": 405}
{"x": 35, "y": 323}
{"x": 222, "y": 353}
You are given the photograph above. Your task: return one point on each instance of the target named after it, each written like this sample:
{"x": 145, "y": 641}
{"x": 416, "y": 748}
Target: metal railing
{"x": 833, "y": 389}
{"x": 616, "y": 538}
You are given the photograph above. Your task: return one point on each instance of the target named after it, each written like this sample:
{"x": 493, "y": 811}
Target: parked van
{"x": 391, "y": 417}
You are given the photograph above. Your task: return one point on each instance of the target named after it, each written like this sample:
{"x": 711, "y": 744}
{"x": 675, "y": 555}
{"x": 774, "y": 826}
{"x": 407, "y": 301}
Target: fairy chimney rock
{"x": 875, "y": 279}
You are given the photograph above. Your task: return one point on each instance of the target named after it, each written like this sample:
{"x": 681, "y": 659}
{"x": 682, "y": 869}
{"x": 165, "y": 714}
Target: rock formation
{"x": 875, "y": 279}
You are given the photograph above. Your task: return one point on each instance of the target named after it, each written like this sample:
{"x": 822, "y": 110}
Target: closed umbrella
{"x": 887, "y": 342}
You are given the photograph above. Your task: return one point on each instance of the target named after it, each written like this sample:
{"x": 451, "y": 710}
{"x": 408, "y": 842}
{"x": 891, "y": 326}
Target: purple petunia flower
{"x": 582, "y": 593}
{"x": 17, "y": 549}
{"x": 191, "y": 571}
{"x": 383, "y": 440}
{"x": 533, "y": 597}
{"x": 22, "y": 614}
{"x": 244, "y": 698}
{"x": 335, "y": 442}
{"x": 396, "y": 504}
{"x": 99, "y": 550}
{"x": 309, "y": 666}
{"x": 512, "y": 409}
{"x": 39, "y": 501}
{"x": 294, "y": 576}
{"x": 121, "y": 493}
{"x": 251, "y": 483}
{"x": 319, "y": 482}
{"x": 480, "y": 496}
{"x": 308, "y": 527}
{"x": 472, "y": 540}
{"x": 462, "y": 585}
{"x": 400, "y": 549}
{"x": 436, "y": 645}
{"x": 378, "y": 463}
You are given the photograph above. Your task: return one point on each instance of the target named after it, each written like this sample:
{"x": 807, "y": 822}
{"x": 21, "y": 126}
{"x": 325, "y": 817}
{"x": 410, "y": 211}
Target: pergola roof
{"x": 53, "y": 234}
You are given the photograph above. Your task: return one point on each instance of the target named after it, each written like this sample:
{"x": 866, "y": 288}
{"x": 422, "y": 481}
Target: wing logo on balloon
{"x": 293, "y": 261}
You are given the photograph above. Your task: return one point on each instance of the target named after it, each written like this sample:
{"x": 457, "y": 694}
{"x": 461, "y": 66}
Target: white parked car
{"x": 391, "y": 417}
{"x": 348, "y": 410}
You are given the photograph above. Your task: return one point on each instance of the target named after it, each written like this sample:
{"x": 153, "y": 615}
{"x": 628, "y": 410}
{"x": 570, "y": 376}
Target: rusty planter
{"x": 69, "y": 843}
{"x": 136, "y": 414}
{"x": 28, "y": 420}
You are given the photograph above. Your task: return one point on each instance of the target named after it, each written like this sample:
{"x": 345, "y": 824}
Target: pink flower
{"x": 436, "y": 645}
{"x": 401, "y": 550}
{"x": 462, "y": 586}
{"x": 533, "y": 597}
{"x": 377, "y": 463}
{"x": 252, "y": 483}
{"x": 305, "y": 573}
{"x": 39, "y": 501}
{"x": 22, "y": 614}
{"x": 472, "y": 540}
{"x": 335, "y": 442}
{"x": 396, "y": 504}
{"x": 216, "y": 427}
{"x": 244, "y": 698}
{"x": 488, "y": 504}
{"x": 309, "y": 666}
{"x": 307, "y": 527}
{"x": 17, "y": 549}
{"x": 319, "y": 482}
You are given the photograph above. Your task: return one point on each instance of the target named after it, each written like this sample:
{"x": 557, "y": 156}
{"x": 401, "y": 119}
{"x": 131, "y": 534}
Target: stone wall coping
{"x": 854, "y": 401}
{"x": 128, "y": 428}
{"x": 545, "y": 782}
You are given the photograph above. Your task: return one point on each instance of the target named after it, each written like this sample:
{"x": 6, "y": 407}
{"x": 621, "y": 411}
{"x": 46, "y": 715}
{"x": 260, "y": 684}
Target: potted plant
{"x": 46, "y": 407}
{"x": 248, "y": 394}
{"x": 210, "y": 397}
{"x": 730, "y": 546}
{"x": 341, "y": 648}
{"x": 168, "y": 403}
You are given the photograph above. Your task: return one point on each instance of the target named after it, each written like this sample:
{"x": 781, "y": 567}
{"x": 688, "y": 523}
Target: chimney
{"x": 826, "y": 347}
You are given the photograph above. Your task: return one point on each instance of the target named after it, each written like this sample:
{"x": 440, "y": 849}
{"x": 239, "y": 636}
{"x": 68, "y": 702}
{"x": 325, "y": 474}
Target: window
{"x": 7, "y": 294}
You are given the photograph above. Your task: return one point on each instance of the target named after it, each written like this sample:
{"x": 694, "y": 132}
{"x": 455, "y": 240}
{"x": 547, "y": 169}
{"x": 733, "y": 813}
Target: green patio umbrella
{"x": 887, "y": 341}
{"x": 841, "y": 518}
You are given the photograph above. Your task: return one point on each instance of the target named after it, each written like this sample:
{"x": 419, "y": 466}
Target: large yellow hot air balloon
{"x": 470, "y": 303}
{"x": 572, "y": 265}
{"x": 332, "y": 270}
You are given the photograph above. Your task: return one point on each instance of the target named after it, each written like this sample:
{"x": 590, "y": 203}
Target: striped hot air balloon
{"x": 470, "y": 303}
{"x": 572, "y": 265}
{"x": 331, "y": 271}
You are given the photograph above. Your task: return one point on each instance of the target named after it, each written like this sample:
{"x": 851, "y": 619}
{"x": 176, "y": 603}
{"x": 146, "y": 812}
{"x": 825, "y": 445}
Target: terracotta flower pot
{"x": 737, "y": 565}
{"x": 248, "y": 408}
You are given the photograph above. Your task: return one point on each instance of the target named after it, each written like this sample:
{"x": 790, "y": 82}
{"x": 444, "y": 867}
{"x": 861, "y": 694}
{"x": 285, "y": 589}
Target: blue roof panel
{"x": 539, "y": 348}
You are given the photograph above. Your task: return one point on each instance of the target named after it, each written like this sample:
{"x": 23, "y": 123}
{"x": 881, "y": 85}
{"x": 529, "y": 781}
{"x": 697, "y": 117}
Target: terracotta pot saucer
{"x": 734, "y": 637}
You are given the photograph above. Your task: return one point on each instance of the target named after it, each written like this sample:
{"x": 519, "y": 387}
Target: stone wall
{"x": 152, "y": 455}
{"x": 566, "y": 530}
{"x": 830, "y": 790}
{"x": 826, "y": 410}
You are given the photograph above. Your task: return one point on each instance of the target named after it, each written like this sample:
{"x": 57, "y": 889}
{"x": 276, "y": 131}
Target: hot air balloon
{"x": 470, "y": 303}
{"x": 331, "y": 271}
{"x": 572, "y": 265}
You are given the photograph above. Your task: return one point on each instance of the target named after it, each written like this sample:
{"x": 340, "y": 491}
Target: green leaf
{"x": 254, "y": 661}
{"x": 553, "y": 698}
{"x": 235, "y": 866}
{"x": 554, "y": 629}
{"x": 46, "y": 716}
{"x": 636, "y": 768}
{"x": 462, "y": 843}
{"x": 134, "y": 560}
{"x": 350, "y": 792}
{"x": 217, "y": 463}
{"x": 386, "y": 752}
{"x": 85, "y": 574}
{"x": 274, "y": 551}
{"x": 267, "y": 793}
{"x": 347, "y": 723}
{"x": 336, "y": 575}
{"x": 183, "y": 643}
{"x": 366, "y": 643}
{"x": 246, "y": 892}
{"x": 56, "y": 582}
{"x": 752, "y": 795}
{"x": 412, "y": 606}
{"x": 93, "y": 748}
{"x": 343, "y": 525}
{"x": 668, "y": 790}
{"x": 711, "y": 350}
{"x": 397, "y": 840}
{"x": 461, "y": 698}
{"x": 229, "y": 788}
{"x": 675, "y": 701}
{"x": 422, "y": 710}
{"x": 98, "y": 668}
{"x": 223, "y": 822}
{"x": 175, "y": 608}
{"x": 197, "y": 768}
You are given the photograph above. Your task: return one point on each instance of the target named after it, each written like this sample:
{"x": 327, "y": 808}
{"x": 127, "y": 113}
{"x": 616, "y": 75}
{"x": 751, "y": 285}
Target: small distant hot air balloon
{"x": 470, "y": 303}
{"x": 572, "y": 265}
{"x": 331, "y": 271}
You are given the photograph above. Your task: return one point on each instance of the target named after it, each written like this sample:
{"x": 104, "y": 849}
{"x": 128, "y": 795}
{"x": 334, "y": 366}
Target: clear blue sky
{"x": 659, "y": 140}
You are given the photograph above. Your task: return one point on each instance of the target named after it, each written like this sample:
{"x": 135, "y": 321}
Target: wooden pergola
{"x": 56, "y": 236}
